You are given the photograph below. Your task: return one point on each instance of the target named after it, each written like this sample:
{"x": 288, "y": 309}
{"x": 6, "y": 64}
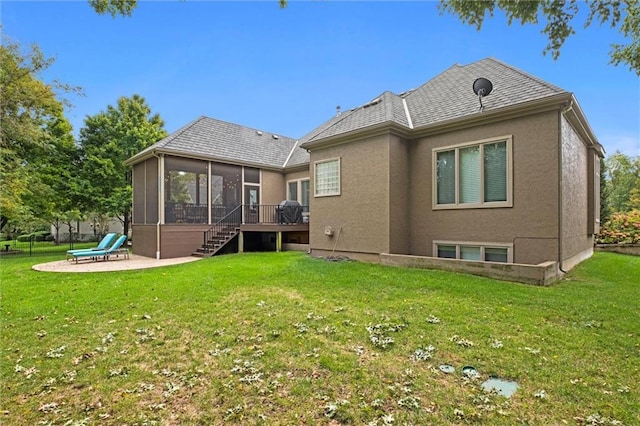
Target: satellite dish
{"x": 482, "y": 87}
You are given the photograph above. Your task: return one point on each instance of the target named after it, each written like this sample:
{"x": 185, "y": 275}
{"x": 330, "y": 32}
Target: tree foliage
{"x": 126, "y": 7}
{"x": 33, "y": 130}
{"x": 623, "y": 182}
{"x": 558, "y": 17}
{"x": 107, "y": 140}
{"x": 114, "y": 7}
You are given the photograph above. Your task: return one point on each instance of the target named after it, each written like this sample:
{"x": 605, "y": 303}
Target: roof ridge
{"x": 242, "y": 126}
{"x": 295, "y": 145}
{"x": 523, "y": 73}
{"x": 388, "y": 106}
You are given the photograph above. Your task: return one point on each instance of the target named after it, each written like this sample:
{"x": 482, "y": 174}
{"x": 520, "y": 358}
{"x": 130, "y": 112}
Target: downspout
{"x": 560, "y": 187}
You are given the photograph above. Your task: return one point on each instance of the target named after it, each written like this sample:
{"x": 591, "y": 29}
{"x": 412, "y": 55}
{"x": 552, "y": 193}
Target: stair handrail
{"x": 232, "y": 219}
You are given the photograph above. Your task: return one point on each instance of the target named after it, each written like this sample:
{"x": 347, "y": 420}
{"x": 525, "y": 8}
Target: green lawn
{"x": 271, "y": 338}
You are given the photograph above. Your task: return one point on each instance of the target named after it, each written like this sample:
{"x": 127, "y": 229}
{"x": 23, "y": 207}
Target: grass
{"x": 272, "y": 338}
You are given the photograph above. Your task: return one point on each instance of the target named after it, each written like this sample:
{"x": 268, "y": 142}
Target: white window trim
{"x": 315, "y": 186}
{"x": 482, "y": 245}
{"x": 482, "y": 204}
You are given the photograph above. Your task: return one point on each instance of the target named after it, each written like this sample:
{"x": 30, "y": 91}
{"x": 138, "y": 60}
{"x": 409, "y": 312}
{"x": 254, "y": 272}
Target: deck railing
{"x": 256, "y": 214}
{"x": 227, "y": 224}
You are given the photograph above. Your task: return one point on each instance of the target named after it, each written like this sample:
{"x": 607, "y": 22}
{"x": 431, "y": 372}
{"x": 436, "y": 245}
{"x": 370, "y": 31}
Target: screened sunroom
{"x": 181, "y": 203}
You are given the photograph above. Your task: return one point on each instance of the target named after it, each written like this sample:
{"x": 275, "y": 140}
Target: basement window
{"x": 487, "y": 252}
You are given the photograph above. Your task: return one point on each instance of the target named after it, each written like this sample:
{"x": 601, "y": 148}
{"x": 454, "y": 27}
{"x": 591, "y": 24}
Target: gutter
{"x": 549, "y": 103}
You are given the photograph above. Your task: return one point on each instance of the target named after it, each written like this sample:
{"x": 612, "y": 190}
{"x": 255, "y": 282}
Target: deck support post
{"x": 279, "y": 241}
{"x": 241, "y": 242}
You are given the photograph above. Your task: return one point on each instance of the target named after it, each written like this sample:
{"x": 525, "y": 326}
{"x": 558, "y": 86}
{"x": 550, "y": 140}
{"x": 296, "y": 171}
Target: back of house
{"x": 508, "y": 176}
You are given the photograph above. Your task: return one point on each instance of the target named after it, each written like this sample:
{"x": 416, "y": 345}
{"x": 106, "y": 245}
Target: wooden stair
{"x": 217, "y": 242}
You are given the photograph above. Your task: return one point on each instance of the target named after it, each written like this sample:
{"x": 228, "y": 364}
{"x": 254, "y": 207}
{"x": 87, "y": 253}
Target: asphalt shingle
{"x": 445, "y": 97}
{"x": 219, "y": 140}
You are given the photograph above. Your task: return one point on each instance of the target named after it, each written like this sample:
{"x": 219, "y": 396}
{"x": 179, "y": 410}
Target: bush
{"x": 36, "y": 236}
{"x": 621, "y": 228}
{"x": 40, "y": 235}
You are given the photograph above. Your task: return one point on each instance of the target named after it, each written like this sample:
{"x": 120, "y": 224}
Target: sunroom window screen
{"x": 328, "y": 178}
{"x": 446, "y": 179}
{"x": 495, "y": 172}
{"x": 469, "y": 163}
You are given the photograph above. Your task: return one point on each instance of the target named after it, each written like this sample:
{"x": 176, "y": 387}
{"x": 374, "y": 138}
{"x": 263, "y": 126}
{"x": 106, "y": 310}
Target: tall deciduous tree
{"x": 32, "y": 128}
{"x": 623, "y": 182}
{"x": 558, "y": 17}
{"x": 107, "y": 140}
{"x": 605, "y": 210}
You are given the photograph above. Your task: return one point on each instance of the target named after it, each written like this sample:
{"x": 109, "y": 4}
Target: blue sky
{"x": 285, "y": 71}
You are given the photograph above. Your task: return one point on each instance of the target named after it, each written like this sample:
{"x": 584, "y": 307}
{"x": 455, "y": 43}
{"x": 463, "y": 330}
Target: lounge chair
{"x": 102, "y": 245}
{"x": 95, "y": 254}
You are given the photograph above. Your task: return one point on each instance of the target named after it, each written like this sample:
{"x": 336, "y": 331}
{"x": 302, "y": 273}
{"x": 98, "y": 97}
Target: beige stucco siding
{"x": 304, "y": 174}
{"x": 399, "y": 226}
{"x": 273, "y": 187}
{"x": 531, "y": 225}
{"x": 575, "y": 238}
{"x": 359, "y": 216}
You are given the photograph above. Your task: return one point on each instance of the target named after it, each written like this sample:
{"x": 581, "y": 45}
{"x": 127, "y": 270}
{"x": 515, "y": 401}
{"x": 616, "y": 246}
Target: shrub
{"x": 40, "y": 235}
{"x": 621, "y": 228}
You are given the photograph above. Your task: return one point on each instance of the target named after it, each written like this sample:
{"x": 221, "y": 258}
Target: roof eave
{"x": 579, "y": 121}
{"x": 176, "y": 153}
{"x": 363, "y": 132}
{"x": 548, "y": 103}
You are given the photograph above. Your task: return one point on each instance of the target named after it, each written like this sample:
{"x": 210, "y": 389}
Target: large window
{"x": 488, "y": 252}
{"x": 473, "y": 175}
{"x": 327, "y": 177}
{"x": 298, "y": 190}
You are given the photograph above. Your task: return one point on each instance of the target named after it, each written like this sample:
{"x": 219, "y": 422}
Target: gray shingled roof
{"x": 447, "y": 96}
{"x": 450, "y": 95}
{"x": 209, "y": 138}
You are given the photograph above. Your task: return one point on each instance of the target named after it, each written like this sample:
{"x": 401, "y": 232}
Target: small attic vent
{"x": 275, "y": 136}
{"x": 258, "y": 132}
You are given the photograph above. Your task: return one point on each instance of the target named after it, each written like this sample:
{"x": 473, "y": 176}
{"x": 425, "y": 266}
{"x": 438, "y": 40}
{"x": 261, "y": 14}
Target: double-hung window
{"x": 327, "y": 177}
{"x": 473, "y": 175}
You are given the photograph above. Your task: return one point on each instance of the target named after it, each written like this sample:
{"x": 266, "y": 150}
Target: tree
{"x": 33, "y": 127}
{"x": 107, "y": 140}
{"x": 623, "y": 182}
{"x": 605, "y": 210}
{"x": 559, "y": 15}
{"x": 114, "y": 7}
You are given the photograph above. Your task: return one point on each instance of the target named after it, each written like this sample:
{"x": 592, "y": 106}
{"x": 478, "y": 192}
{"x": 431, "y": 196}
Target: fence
{"x": 34, "y": 247}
